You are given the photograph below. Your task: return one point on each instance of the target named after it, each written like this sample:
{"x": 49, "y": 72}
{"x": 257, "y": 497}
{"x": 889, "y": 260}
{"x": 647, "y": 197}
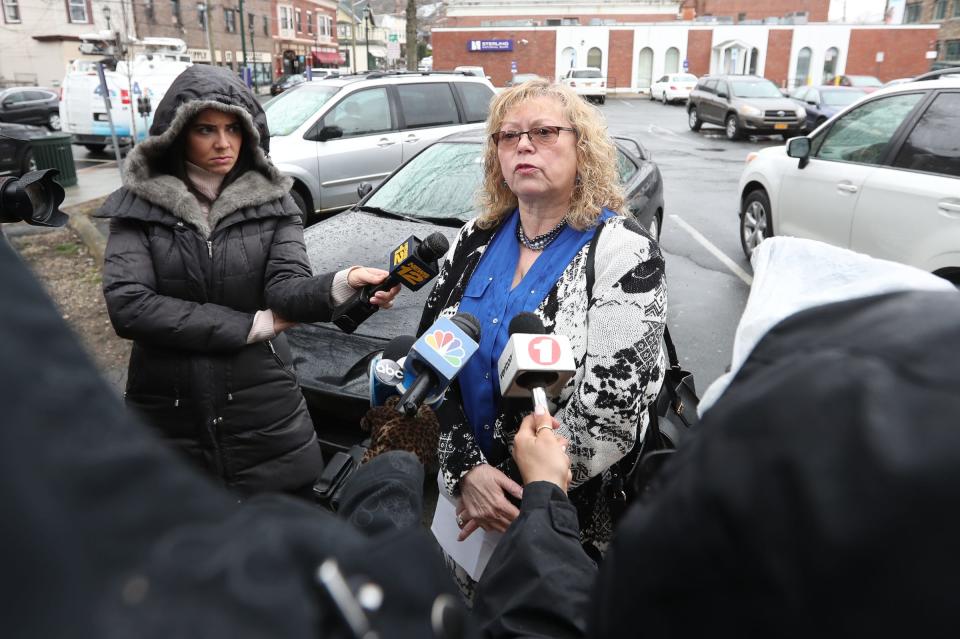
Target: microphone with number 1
{"x": 534, "y": 363}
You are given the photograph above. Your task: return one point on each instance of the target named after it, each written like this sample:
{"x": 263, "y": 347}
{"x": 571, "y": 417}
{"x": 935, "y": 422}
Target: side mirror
{"x": 363, "y": 189}
{"x": 722, "y": 95}
{"x": 329, "y": 133}
{"x": 812, "y": 102}
{"x": 799, "y": 148}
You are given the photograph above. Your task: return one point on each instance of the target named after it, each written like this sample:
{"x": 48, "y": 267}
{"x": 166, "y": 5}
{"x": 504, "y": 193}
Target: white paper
{"x": 471, "y": 554}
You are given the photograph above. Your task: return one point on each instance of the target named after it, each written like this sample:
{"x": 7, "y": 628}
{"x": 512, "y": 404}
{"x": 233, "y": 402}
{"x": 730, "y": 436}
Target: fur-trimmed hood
{"x": 196, "y": 89}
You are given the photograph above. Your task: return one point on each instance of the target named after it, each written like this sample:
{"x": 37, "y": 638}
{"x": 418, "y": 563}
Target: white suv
{"x": 588, "y": 82}
{"x": 333, "y": 135}
{"x": 882, "y": 177}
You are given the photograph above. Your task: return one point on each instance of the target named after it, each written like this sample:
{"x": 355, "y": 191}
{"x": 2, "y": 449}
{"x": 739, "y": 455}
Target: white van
{"x": 82, "y": 111}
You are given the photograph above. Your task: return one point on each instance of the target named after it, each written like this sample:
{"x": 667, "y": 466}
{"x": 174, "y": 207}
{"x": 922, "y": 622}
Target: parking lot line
{"x": 627, "y": 102}
{"x": 717, "y": 253}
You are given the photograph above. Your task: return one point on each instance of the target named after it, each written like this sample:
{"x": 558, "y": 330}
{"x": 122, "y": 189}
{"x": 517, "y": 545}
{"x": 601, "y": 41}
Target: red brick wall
{"x": 537, "y": 56}
{"x": 903, "y": 50}
{"x": 541, "y": 20}
{"x": 777, "y": 66}
{"x": 620, "y": 63}
{"x": 699, "y": 43}
{"x": 759, "y": 9}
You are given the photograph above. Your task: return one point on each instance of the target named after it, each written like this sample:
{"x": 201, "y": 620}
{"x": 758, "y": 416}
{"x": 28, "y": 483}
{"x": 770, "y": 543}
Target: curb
{"x": 90, "y": 234}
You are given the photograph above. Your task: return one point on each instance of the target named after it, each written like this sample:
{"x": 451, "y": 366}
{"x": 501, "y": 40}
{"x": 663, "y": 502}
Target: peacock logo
{"x": 448, "y": 346}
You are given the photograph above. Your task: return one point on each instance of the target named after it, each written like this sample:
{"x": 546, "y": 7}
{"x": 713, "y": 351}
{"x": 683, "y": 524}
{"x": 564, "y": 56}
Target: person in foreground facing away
{"x": 205, "y": 268}
{"x": 550, "y": 183}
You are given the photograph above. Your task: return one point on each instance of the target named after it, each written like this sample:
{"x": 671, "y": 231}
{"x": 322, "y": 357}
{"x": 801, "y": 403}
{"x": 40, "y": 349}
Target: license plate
{"x": 779, "y": 127}
{"x": 588, "y": 84}
{"x": 100, "y": 117}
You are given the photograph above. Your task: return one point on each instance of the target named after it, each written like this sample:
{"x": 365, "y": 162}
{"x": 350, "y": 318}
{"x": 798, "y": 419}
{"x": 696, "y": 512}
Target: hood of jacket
{"x": 198, "y": 88}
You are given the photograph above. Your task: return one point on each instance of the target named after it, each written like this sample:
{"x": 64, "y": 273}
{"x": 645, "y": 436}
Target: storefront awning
{"x": 377, "y": 51}
{"x": 327, "y": 57}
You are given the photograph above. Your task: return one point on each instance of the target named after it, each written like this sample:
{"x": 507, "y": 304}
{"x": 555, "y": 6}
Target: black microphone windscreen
{"x": 398, "y": 347}
{"x": 468, "y": 324}
{"x": 526, "y": 323}
{"x": 433, "y": 247}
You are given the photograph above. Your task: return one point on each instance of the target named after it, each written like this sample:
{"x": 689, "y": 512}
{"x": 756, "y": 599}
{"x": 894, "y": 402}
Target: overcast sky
{"x": 858, "y": 10}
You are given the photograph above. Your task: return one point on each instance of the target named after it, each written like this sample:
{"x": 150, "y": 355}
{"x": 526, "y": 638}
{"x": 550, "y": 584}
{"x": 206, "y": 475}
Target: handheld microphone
{"x": 534, "y": 363}
{"x": 412, "y": 264}
{"x": 386, "y": 369}
{"x": 436, "y": 359}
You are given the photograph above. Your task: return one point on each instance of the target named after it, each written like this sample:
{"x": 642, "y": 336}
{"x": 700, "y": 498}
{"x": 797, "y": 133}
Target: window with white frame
{"x": 230, "y": 18}
{"x": 78, "y": 11}
{"x": 325, "y": 25}
{"x": 299, "y": 21}
{"x": 11, "y": 11}
{"x": 310, "y": 22}
{"x": 285, "y": 15}
{"x": 343, "y": 31}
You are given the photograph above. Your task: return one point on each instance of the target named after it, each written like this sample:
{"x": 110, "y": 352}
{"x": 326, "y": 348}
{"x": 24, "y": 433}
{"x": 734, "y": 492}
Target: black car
{"x": 16, "y": 154}
{"x": 285, "y": 82}
{"x": 433, "y": 192}
{"x": 30, "y": 105}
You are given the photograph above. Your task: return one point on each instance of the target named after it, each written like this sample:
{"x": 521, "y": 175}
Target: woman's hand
{"x": 280, "y": 324}
{"x": 540, "y": 453}
{"x": 360, "y": 276}
{"x": 483, "y": 503}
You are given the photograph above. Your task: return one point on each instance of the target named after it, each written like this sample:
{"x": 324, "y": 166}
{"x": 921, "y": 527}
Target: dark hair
{"x": 174, "y": 161}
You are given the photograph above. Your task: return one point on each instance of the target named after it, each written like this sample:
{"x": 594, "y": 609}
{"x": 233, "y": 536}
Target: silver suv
{"x": 334, "y": 134}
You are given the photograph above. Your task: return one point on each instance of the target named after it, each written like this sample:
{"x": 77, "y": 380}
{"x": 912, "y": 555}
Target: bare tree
{"x": 412, "y": 35}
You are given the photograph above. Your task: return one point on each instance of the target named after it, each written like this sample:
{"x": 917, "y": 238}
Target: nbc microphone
{"x": 534, "y": 363}
{"x": 386, "y": 369}
{"x": 412, "y": 264}
{"x": 436, "y": 359}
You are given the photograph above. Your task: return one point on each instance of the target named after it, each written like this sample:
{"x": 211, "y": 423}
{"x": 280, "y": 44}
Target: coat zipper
{"x": 210, "y": 248}
{"x": 280, "y": 363}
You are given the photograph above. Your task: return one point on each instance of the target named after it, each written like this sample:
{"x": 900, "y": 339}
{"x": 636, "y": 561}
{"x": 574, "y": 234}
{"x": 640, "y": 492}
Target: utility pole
{"x": 208, "y": 27}
{"x": 243, "y": 38}
{"x": 412, "y": 49}
{"x": 254, "y": 69}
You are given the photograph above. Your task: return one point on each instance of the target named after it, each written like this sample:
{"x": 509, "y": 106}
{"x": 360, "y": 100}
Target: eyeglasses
{"x": 538, "y": 135}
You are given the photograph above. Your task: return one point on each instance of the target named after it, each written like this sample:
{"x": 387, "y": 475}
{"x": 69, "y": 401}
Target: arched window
{"x": 830, "y": 64}
{"x": 645, "y": 68}
{"x": 671, "y": 62}
{"x": 802, "y": 73}
{"x": 754, "y": 56}
{"x": 595, "y": 58}
{"x": 568, "y": 59}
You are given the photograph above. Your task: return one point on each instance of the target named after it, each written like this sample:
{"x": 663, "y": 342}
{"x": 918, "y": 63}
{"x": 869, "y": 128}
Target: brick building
{"x": 305, "y": 34}
{"x": 752, "y": 10}
{"x": 485, "y": 13}
{"x": 633, "y": 56}
{"x": 946, "y": 13}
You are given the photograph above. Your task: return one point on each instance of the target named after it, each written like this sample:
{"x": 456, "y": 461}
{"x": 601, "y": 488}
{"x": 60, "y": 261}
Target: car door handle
{"x": 412, "y": 138}
{"x": 951, "y": 208}
{"x": 846, "y": 187}
{"x": 384, "y": 142}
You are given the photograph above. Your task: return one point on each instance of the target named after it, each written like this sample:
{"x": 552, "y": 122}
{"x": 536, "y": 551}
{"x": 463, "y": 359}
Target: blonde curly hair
{"x": 599, "y": 184}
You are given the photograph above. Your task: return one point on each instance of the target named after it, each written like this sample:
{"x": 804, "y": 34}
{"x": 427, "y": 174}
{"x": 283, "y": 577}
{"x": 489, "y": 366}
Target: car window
{"x": 625, "y": 167}
{"x": 799, "y": 93}
{"x": 664, "y": 79}
{"x": 812, "y": 96}
{"x": 362, "y": 113}
{"x": 475, "y": 98}
{"x": 587, "y": 73}
{"x": 15, "y": 97}
{"x": 840, "y": 98}
{"x": 440, "y": 182}
{"x": 710, "y": 86}
{"x": 722, "y": 88}
{"x": 755, "y": 89}
{"x": 862, "y": 135}
{"x": 427, "y": 105}
{"x": 287, "y": 111}
{"x": 686, "y": 77}
{"x": 37, "y": 95}
{"x": 934, "y": 144}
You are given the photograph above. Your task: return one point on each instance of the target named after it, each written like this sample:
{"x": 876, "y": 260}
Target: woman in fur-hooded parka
{"x": 193, "y": 274}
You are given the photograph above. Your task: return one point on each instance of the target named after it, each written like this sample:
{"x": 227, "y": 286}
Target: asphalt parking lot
{"x": 708, "y": 278}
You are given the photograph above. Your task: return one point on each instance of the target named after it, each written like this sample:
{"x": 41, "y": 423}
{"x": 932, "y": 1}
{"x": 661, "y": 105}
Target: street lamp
{"x": 205, "y": 10}
{"x": 254, "y": 65}
{"x": 106, "y": 16}
{"x": 367, "y": 13}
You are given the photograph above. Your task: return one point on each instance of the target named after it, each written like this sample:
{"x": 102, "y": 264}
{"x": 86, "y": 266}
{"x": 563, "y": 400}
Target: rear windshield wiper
{"x": 455, "y": 222}
{"x": 376, "y": 210}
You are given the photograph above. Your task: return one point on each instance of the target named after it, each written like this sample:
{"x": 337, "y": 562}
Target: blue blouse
{"x": 488, "y": 296}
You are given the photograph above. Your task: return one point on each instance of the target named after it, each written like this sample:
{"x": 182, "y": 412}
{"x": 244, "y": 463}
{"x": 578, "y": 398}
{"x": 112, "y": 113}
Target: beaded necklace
{"x": 539, "y": 242}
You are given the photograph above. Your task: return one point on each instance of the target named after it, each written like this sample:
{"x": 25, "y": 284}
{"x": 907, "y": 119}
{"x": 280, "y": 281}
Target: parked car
{"x": 426, "y": 64}
{"x": 30, "y": 105}
{"x": 16, "y": 153}
{"x": 330, "y": 135}
{"x": 588, "y": 82}
{"x": 285, "y": 82}
{"x": 674, "y": 87}
{"x": 881, "y": 178}
{"x": 433, "y": 192}
{"x": 823, "y": 102}
{"x": 744, "y": 105}
{"x": 866, "y": 82}
{"x": 520, "y": 78}
{"x": 474, "y": 71}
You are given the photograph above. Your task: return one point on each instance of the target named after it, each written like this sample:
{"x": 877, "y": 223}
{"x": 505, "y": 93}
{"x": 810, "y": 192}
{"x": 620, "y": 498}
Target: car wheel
{"x": 663, "y": 98}
{"x": 755, "y": 221}
{"x": 693, "y": 119}
{"x": 95, "y": 148}
{"x": 53, "y": 121}
{"x": 655, "y": 226}
{"x": 302, "y": 205}
{"x": 28, "y": 162}
{"x": 602, "y": 99}
{"x": 732, "y": 128}
{"x": 651, "y": 95}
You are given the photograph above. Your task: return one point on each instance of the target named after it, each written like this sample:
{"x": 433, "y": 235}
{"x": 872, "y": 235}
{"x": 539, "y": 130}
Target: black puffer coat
{"x": 185, "y": 287}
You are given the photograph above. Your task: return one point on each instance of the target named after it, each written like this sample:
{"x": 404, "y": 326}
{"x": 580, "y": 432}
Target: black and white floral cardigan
{"x": 616, "y": 341}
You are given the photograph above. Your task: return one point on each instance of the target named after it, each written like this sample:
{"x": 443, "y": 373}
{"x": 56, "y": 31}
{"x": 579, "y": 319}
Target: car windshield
{"x": 440, "y": 183}
{"x": 587, "y": 73}
{"x": 685, "y": 77}
{"x": 755, "y": 89}
{"x": 840, "y": 98}
{"x": 287, "y": 111}
{"x": 863, "y": 81}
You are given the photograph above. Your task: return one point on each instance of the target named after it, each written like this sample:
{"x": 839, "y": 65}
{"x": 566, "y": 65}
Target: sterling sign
{"x": 489, "y": 45}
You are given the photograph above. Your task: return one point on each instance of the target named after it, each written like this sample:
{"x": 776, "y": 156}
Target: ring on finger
{"x": 460, "y": 522}
{"x": 539, "y": 428}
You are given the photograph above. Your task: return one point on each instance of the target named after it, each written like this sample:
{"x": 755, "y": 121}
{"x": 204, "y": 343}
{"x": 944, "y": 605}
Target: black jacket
{"x": 185, "y": 287}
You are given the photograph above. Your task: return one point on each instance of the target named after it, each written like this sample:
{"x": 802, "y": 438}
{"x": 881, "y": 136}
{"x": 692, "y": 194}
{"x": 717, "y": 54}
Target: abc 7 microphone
{"x": 386, "y": 370}
{"x": 436, "y": 359}
{"x": 534, "y": 364}
{"x": 412, "y": 264}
